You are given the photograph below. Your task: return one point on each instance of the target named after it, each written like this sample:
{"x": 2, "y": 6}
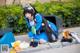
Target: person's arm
{"x": 27, "y": 23}
{"x": 38, "y": 21}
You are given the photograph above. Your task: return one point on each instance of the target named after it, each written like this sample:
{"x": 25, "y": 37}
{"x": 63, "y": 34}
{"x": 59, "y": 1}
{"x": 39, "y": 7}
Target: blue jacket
{"x": 38, "y": 19}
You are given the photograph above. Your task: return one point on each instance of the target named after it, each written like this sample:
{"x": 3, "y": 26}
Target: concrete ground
{"x": 53, "y": 47}
{"x": 67, "y": 49}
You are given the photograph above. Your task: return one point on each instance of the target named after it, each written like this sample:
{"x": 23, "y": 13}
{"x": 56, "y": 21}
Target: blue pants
{"x": 38, "y": 36}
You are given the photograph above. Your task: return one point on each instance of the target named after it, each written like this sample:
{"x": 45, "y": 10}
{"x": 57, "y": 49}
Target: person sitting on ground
{"x": 40, "y": 30}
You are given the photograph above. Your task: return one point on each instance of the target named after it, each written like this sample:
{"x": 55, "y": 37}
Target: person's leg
{"x": 54, "y": 29}
{"x": 30, "y": 35}
{"x": 43, "y": 37}
{"x": 33, "y": 36}
{"x": 33, "y": 39}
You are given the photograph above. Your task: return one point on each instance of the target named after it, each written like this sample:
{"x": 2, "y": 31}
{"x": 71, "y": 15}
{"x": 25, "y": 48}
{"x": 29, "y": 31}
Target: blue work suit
{"x": 43, "y": 35}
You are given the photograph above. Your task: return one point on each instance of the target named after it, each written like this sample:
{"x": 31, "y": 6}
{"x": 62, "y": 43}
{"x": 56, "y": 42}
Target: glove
{"x": 33, "y": 29}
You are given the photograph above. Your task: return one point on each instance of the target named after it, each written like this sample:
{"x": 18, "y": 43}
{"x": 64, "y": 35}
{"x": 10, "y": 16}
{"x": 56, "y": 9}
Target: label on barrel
{"x": 4, "y": 48}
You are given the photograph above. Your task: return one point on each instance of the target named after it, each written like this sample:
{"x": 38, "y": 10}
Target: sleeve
{"x": 27, "y": 22}
{"x": 38, "y": 21}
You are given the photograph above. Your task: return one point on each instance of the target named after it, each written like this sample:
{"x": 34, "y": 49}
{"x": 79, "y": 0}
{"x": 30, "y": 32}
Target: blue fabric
{"x": 54, "y": 29}
{"x": 53, "y": 26}
{"x": 43, "y": 36}
{"x": 38, "y": 36}
{"x": 31, "y": 35}
{"x": 38, "y": 18}
{"x": 7, "y": 38}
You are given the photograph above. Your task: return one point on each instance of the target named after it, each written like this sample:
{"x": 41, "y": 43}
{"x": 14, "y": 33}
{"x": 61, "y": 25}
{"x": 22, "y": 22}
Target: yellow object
{"x": 16, "y": 44}
{"x": 12, "y": 51}
{"x": 17, "y": 49}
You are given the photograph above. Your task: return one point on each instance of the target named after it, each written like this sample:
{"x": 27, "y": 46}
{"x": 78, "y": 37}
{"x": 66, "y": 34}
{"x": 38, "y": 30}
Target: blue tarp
{"x": 7, "y": 38}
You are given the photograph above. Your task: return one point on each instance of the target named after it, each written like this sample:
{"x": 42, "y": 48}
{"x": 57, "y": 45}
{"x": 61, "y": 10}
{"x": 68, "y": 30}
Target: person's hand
{"x": 43, "y": 24}
{"x": 32, "y": 40}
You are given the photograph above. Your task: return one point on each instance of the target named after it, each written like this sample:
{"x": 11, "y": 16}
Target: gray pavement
{"x": 67, "y": 49}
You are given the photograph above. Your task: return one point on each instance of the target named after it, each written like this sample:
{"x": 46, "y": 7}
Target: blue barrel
{"x": 7, "y": 38}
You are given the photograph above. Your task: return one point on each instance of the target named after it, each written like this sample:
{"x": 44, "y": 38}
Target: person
{"x": 40, "y": 30}
{"x": 68, "y": 36}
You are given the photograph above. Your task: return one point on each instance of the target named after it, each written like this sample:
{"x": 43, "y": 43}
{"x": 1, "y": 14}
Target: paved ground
{"x": 53, "y": 47}
{"x": 67, "y": 49}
